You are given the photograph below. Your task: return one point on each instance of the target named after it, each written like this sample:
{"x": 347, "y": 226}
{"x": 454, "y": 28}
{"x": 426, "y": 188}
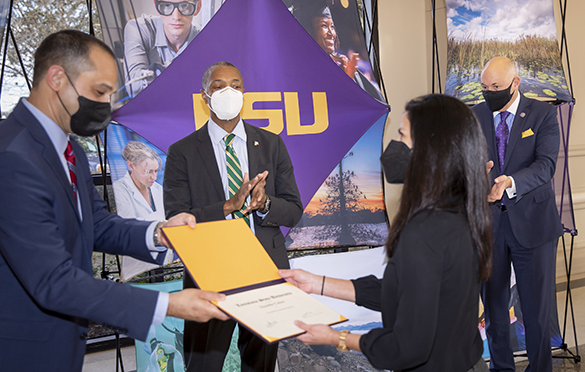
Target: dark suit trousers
{"x": 208, "y": 343}
{"x": 535, "y": 275}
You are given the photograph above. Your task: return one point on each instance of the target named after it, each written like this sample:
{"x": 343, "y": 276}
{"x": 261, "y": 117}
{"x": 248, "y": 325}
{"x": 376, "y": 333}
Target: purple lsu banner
{"x": 292, "y": 89}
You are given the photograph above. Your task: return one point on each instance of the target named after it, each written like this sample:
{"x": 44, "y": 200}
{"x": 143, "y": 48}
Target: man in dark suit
{"x": 523, "y": 142}
{"x": 52, "y": 218}
{"x": 206, "y": 174}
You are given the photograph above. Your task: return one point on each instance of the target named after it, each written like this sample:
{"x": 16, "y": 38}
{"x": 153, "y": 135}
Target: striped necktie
{"x": 70, "y": 157}
{"x": 235, "y": 177}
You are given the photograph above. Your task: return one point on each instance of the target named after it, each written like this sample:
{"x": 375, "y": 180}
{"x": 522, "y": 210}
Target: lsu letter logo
{"x": 276, "y": 117}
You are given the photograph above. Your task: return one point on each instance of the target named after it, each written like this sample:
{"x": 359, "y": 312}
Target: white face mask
{"x": 226, "y": 103}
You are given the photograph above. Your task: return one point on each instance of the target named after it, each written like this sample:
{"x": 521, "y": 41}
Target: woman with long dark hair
{"x": 439, "y": 251}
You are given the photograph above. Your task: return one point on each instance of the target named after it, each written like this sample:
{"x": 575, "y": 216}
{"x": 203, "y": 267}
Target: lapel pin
{"x": 256, "y": 143}
{"x": 522, "y": 114}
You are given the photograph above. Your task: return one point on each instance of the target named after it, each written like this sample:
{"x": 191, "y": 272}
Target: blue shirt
{"x": 510, "y": 119}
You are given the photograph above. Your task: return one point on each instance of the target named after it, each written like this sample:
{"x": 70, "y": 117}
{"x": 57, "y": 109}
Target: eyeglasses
{"x": 186, "y": 8}
{"x": 148, "y": 172}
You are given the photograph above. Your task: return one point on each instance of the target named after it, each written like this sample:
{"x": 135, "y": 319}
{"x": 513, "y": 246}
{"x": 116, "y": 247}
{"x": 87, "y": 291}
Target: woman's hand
{"x": 302, "y": 279}
{"x": 317, "y": 334}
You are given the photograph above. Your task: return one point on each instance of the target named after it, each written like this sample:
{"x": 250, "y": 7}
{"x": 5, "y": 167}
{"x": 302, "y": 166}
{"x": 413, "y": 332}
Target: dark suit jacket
{"x": 192, "y": 184}
{"x": 48, "y": 290}
{"x": 531, "y": 158}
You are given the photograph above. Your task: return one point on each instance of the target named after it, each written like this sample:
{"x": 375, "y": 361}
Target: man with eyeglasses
{"x": 152, "y": 42}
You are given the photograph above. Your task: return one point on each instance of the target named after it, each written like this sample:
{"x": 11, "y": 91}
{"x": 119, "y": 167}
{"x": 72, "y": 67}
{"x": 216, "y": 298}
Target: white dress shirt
{"x": 217, "y": 134}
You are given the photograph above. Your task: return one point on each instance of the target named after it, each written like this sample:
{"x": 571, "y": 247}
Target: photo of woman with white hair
{"x": 139, "y": 196}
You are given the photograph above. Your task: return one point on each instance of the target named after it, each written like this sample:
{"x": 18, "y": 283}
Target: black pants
{"x": 206, "y": 345}
{"x": 535, "y": 278}
{"x": 480, "y": 366}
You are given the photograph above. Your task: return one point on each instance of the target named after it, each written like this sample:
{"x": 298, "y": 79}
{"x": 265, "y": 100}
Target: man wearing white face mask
{"x": 207, "y": 175}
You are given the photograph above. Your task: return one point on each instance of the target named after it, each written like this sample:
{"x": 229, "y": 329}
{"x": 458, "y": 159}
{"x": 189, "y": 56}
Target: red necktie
{"x": 70, "y": 157}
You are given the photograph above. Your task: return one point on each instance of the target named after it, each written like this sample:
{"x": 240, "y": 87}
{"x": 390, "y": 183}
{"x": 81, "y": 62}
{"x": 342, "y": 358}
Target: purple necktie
{"x": 502, "y": 133}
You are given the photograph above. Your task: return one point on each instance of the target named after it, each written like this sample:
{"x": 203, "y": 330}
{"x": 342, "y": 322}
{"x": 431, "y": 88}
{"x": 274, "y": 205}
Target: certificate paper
{"x": 270, "y": 311}
{"x": 225, "y": 256}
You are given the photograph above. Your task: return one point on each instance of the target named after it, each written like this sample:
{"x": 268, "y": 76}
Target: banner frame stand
{"x": 436, "y": 71}
{"x": 568, "y": 266}
{"x": 569, "y": 302}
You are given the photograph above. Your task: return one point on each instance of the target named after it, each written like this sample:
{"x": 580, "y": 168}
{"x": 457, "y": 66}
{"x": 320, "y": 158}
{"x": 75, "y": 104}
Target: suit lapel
{"x": 254, "y": 146}
{"x": 53, "y": 161}
{"x": 27, "y": 119}
{"x": 205, "y": 149}
{"x": 487, "y": 122}
{"x": 518, "y": 125}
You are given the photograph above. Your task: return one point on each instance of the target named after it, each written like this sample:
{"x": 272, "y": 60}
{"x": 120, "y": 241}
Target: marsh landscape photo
{"x": 522, "y": 30}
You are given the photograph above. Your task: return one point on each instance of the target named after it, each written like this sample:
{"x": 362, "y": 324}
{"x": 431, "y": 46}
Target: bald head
{"x": 500, "y": 74}
{"x": 501, "y": 66}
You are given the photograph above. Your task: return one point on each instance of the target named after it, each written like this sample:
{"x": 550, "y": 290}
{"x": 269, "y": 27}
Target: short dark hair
{"x": 68, "y": 49}
{"x": 447, "y": 170}
{"x": 209, "y": 71}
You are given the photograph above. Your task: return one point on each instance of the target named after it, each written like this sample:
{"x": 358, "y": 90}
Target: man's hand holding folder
{"x": 191, "y": 304}
{"x": 194, "y": 304}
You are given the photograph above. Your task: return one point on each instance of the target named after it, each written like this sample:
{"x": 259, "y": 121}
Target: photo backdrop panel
{"x": 128, "y": 200}
{"x": 347, "y": 265}
{"x": 348, "y": 209}
{"x": 336, "y": 27}
{"x": 145, "y": 41}
{"x": 314, "y": 106}
{"x": 293, "y": 355}
{"x": 163, "y": 349}
{"x": 118, "y": 137}
{"x": 142, "y": 38}
{"x": 4, "y": 10}
{"x": 523, "y": 30}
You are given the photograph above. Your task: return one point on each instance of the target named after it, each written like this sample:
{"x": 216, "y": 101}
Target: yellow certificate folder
{"x": 225, "y": 256}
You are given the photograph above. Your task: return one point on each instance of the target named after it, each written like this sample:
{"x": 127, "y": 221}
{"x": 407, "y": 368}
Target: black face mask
{"x": 91, "y": 118}
{"x": 498, "y": 99}
{"x": 395, "y": 161}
